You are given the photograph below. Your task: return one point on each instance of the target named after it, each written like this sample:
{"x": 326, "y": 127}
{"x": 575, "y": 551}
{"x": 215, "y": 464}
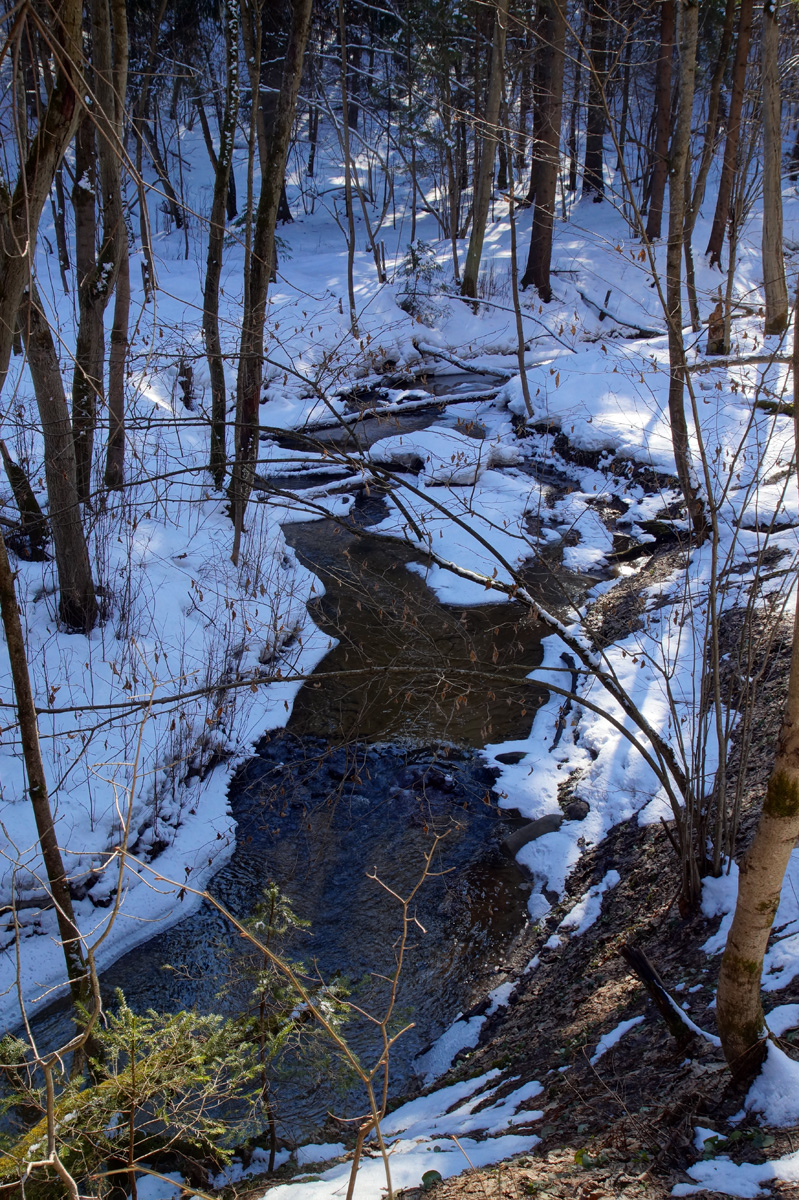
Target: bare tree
{"x": 552, "y": 31}
{"x": 660, "y": 168}
{"x": 488, "y": 147}
{"x": 688, "y": 17}
{"x": 251, "y": 350}
{"x": 216, "y": 240}
{"x": 77, "y": 606}
{"x": 739, "y": 1008}
{"x": 21, "y": 209}
{"x": 773, "y": 262}
{"x": 730, "y": 161}
{"x": 57, "y": 881}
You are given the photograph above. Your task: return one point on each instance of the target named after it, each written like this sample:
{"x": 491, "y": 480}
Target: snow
{"x": 467, "y": 497}
{"x": 587, "y": 910}
{"x": 782, "y": 1018}
{"x": 609, "y": 1040}
{"x": 702, "y": 1135}
{"x": 461, "y": 1035}
{"x": 738, "y": 1179}
{"x": 781, "y": 962}
{"x": 408, "y": 1160}
{"x": 775, "y": 1093}
{"x": 319, "y": 1152}
{"x": 180, "y": 618}
{"x": 433, "y": 1133}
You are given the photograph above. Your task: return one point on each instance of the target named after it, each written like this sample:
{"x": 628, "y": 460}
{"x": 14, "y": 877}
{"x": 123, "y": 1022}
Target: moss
{"x": 743, "y": 966}
{"x": 782, "y": 796}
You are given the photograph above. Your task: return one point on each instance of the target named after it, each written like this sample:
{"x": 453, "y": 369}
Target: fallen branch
{"x": 680, "y": 1026}
{"x": 603, "y": 311}
{"x": 500, "y": 372}
{"x": 738, "y": 360}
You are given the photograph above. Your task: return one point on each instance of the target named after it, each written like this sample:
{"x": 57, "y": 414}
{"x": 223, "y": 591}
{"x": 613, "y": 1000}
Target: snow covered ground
{"x": 131, "y": 734}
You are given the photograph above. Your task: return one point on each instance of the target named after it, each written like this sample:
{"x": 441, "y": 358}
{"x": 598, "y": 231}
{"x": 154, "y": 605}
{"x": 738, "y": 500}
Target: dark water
{"x": 380, "y": 759}
{"x": 319, "y": 822}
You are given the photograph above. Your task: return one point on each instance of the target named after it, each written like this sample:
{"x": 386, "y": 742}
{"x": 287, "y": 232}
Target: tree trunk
{"x": 773, "y": 262}
{"x": 250, "y": 372}
{"x": 59, "y": 222}
{"x": 739, "y": 1009}
{"x": 97, "y": 276}
{"x": 141, "y": 108}
{"x": 660, "y": 168}
{"x": 593, "y": 172}
{"x": 216, "y": 239}
{"x": 552, "y": 29}
{"x": 678, "y": 165}
{"x": 77, "y": 607}
{"x": 721, "y": 215}
{"x": 538, "y": 85}
{"x": 482, "y": 197}
{"x": 713, "y": 109}
{"x": 694, "y": 198}
{"x": 37, "y": 786}
{"x": 111, "y": 146}
{"x": 87, "y": 374}
{"x": 34, "y": 526}
{"x": 575, "y": 109}
{"x": 625, "y": 98}
{"x": 345, "y": 145}
{"x": 21, "y": 210}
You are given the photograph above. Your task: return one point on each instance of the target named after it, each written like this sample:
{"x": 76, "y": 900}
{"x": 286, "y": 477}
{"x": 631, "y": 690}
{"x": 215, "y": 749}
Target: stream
{"x": 364, "y": 779}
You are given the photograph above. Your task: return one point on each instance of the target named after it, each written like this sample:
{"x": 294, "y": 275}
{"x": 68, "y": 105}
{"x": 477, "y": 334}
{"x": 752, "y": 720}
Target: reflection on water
{"x": 380, "y": 757}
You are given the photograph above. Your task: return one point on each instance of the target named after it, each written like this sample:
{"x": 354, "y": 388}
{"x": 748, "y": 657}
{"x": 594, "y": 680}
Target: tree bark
{"x": 695, "y": 197}
{"x": 250, "y": 371}
{"x": 773, "y": 261}
{"x": 77, "y": 607}
{"x": 111, "y": 146}
{"x": 575, "y": 107}
{"x": 216, "y": 239}
{"x": 20, "y": 211}
{"x": 87, "y": 374}
{"x": 660, "y": 167}
{"x": 37, "y": 786}
{"x": 593, "y": 171}
{"x": 482, "y": 197}
{"x": 739, "y": 1008}
{"x": 345, "y": 145}
{"x": 98, "y": 274}
{"x": 729, "y": 165}
{"x": 552, "y": 29}
{"x": 678, "y": 166}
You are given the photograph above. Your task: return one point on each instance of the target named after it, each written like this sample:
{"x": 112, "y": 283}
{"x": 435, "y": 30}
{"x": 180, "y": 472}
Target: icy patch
{"x": 610, "y": 1039}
